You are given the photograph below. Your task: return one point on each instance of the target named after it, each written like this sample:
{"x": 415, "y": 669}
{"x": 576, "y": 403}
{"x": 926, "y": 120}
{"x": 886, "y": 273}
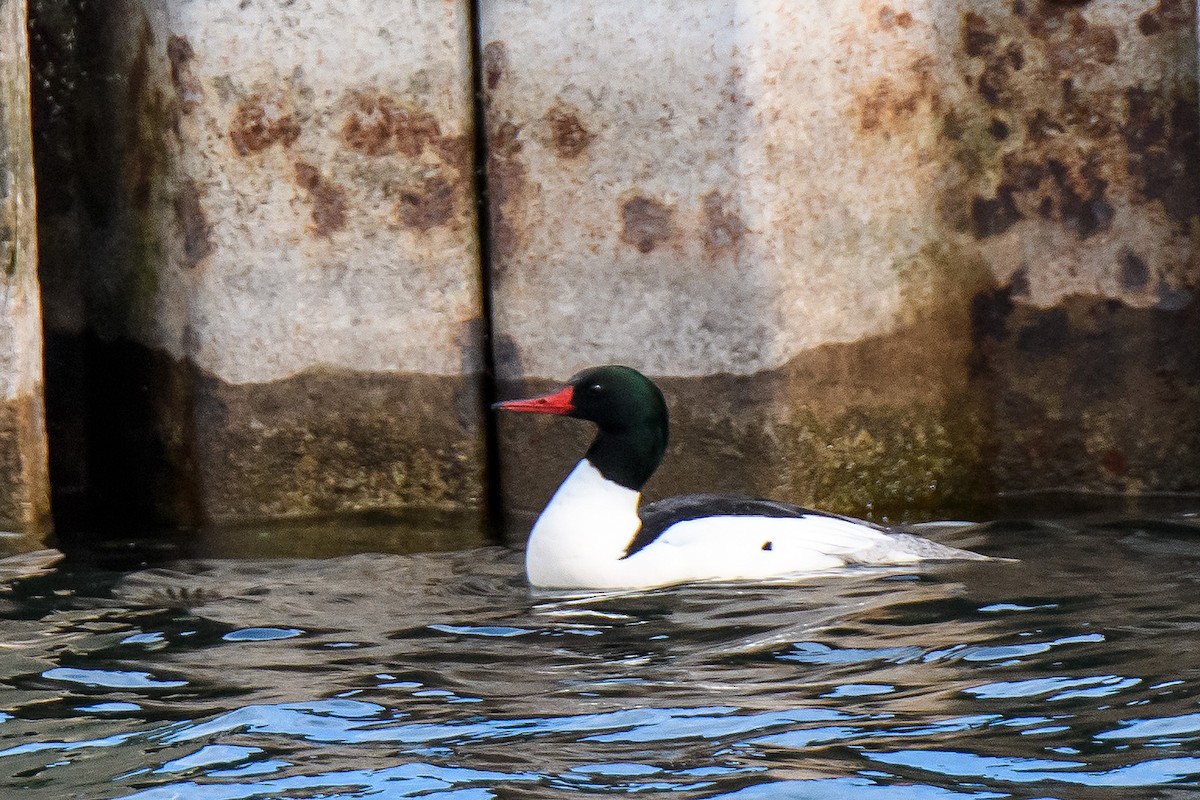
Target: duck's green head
{"x": 629, "y": 411}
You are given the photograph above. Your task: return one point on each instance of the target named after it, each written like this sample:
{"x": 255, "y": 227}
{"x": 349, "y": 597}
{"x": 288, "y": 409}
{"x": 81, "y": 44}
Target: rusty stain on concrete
{"x": 889, "y": 102}
{"x": 456, "y": 152}
{"x": 428, "y": 205}
{"x": 889, "y": 18}
{"x": 1163, "y": 139}
{"x": 1068, "y": 147}
{"x": 976, "y": 37}
{"x": 370, "y": 125}
{"x": 495, "y": 64}
{"x": 646, "y": 222}
{"x": 1093, "y": 43}
{"x": 507, "y": 181}
{"x": 1165, "y": 15}
{"x": 192, "y": 222}
{"x": 327, "y": 198}
{"x": 721, "y": 227}
{"x": 187, "y": 87}
{"x": 260, "y": 121}
{"x": 1047, "y": 17}
{"x": 378, "y": 125}
{"x": 415, "y": 130}
{"x": 507, "y": 173}
{"x": 568, "y": 136}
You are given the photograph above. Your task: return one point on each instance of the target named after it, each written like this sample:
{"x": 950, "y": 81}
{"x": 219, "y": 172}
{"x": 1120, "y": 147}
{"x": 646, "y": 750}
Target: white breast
{"x": 581, "y": 535}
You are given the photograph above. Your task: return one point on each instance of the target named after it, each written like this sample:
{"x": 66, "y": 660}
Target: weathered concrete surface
{"x": 387, "y": 441}
{"x": 279, "y": 238}
{"x": 24, "y": 502}
{"x": 892, "y": 257}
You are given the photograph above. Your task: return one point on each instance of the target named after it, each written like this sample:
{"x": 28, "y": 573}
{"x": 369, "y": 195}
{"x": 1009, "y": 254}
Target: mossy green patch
{"x": 973, "y": 142}
{"x": 939, "y": 280}
{"x": 908, "y": 461}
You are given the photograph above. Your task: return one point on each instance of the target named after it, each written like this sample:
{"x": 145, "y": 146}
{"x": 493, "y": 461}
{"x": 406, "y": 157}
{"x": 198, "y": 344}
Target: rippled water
{"x": 1072, "y": 673}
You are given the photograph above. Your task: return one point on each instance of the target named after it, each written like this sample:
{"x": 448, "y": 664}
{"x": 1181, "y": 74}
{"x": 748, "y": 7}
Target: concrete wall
{"x": 887, "y": 257}
{"x": 24, "y": 502}
{"x": 268, "y": 256}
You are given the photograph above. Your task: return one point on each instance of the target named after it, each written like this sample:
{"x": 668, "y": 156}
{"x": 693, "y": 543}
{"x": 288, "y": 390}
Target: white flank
{"x": 579, "y": 542}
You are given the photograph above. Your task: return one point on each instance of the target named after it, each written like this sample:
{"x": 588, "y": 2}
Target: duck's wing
{"x": 658, "y": 516}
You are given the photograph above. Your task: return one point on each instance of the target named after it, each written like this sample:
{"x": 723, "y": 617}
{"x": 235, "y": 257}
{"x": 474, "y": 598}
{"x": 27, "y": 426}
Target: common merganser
{"x": 595, "y": 534}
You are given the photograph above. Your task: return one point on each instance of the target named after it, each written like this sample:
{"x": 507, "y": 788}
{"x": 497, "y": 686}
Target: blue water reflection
{"x": 440, "y": 676}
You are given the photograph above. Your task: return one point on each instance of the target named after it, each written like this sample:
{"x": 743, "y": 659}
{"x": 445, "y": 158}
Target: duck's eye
{"x": 595, "y": 389}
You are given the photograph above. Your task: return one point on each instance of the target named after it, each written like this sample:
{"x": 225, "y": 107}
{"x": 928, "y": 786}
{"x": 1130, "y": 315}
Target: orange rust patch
{"x": 368, "y": 128}
{"x": 887, "y": 102}
{"x": 456, "y": 151}
{"x": 427, "y": 206}
{"x": 646, "y": 223}
{"x": 327, "y": 198}
{"x": 722, "y": 228}
{"x": 567, "y": 134}
{"x": 260, "y": 121}
{"x": 880, "y": 15}
{"x": 378, "y": 125}
{"x": 888, "y": 18}
{"x": 415, "y": 130}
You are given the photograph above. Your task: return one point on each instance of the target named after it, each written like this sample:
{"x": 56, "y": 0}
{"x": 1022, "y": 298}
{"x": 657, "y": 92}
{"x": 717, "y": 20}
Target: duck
{"x": 596, "y": 534}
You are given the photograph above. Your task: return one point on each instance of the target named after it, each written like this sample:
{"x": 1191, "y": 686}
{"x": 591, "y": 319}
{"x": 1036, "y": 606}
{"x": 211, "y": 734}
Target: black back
{"x": 658, "y": 516}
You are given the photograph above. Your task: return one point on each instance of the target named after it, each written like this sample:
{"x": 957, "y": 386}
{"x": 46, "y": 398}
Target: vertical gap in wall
{"x": 116, "y": 411}
{"x": 55, "y": 68}
{"x": 494, "y": 507}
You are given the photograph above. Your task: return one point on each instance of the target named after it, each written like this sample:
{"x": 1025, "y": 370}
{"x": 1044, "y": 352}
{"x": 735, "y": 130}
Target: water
{"x": 1071, "y": 674}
